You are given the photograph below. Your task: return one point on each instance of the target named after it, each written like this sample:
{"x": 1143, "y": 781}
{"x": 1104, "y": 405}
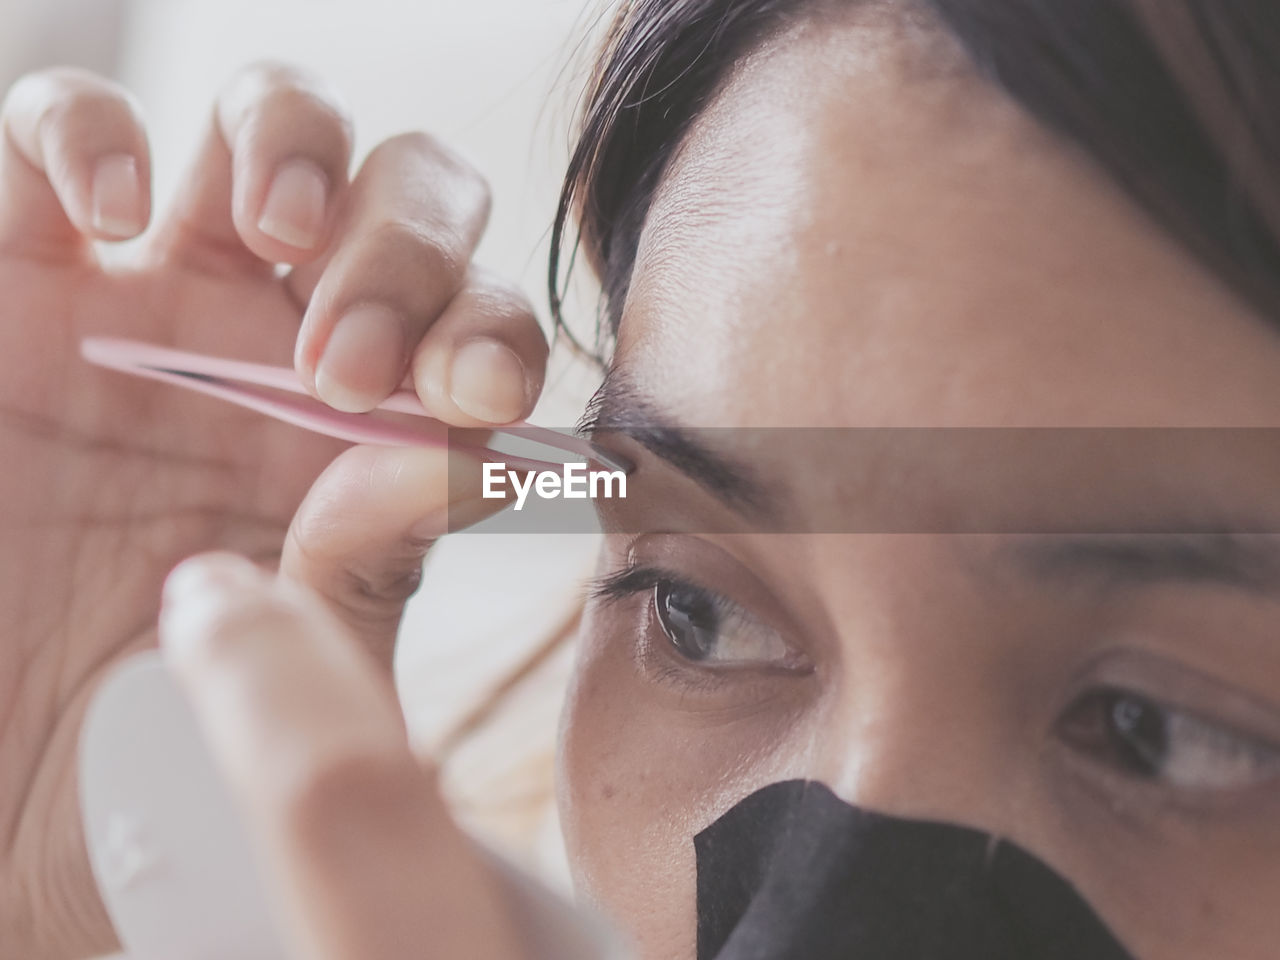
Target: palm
{"x": 107, "y": 482}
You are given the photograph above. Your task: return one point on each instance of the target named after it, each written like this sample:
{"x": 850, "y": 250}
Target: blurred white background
{"x": 481, "y": 74}
{"x": 498, "y": 80}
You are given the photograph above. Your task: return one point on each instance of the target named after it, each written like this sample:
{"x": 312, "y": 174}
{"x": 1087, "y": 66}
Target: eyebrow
{"x": 1201, "y": 549}
{"x": 1248, "y": 562}
{"x": 618, "y": 406}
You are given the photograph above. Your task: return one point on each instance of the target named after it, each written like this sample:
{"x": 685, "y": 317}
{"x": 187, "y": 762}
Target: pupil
{"x": 1139, "y": 733}
{"x": 688, "y": 619}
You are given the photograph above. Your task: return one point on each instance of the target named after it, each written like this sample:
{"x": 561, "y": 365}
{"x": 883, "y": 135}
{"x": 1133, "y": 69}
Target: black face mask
{"x": 795, "y": 873}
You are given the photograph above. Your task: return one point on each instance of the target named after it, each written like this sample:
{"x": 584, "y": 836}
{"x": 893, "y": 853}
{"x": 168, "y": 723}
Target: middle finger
{"x": 416, "y": 212}
{"x": 269, "y": 177}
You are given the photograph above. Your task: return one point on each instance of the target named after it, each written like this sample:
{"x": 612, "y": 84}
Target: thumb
{"x": 361, "y": 534}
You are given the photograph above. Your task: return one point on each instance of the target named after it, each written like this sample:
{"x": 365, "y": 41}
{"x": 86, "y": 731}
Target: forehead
{"x": 859, "y": 231}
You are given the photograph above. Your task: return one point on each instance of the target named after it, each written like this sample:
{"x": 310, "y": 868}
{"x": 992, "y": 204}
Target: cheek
{"x": 640, "y": 772}
{"x": 626, "y": 829}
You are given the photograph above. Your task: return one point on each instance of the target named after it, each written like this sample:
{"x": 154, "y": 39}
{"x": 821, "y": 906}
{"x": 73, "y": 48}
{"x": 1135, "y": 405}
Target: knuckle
{"x": 370, "y": 598}
{"x": 402, "y": 244}
{"x": 499, "y": 303}
{"x": 388, "y": 585}
{"x": 83, "y": 110}
{"x": 262, "y": 78}
{"x": 268, "y": 72}
{"x": 456, "y": 173}
{"x": 65, "y": 97}
{"x": 297, "y": 101}
{"x": 264, "y": 91}
{"x": 27, "y": 89}
{"x": 313, "y": 528}
{"x": 362, "y": 591}
{"x": 41, "y": 83}
{"x": 501, "y": 298}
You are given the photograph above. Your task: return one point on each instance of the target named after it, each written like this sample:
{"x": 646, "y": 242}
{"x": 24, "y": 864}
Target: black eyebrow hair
{"x": 619, "y": 407}
{"x": 1249, "y": 562}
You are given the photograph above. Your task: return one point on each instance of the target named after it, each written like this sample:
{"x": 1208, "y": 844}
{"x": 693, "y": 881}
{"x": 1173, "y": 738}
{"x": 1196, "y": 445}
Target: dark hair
{"x": 1178, "y": 99}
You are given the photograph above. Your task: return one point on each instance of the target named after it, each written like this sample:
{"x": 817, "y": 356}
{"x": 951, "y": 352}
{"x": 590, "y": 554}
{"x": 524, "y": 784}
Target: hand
{"x": 359, "y": 853}
{"x": 107, "y": 481}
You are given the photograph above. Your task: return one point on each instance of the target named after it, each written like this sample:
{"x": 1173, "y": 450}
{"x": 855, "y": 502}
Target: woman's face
{"x": 859, "y": 234}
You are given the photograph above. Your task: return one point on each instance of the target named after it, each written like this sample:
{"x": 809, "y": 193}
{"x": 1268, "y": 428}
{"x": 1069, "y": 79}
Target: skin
{"x": 111, "y": 482}
{"x": 859, "y": 233}
{"x": 787, "y": 276}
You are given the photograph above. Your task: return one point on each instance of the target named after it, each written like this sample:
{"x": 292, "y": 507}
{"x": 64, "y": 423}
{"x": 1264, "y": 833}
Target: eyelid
{"x": 1143, "y": 804}
{"x": 632, "y": 580}
{"x": 637, "y": 578}
{"x": 728, "y": 566}
{"x": 1178, "y": 687}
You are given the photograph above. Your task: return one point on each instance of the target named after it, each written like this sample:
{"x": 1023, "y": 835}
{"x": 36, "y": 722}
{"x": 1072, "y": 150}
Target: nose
{"x": 791, "y": 871}
{"x": 924, "y": 731}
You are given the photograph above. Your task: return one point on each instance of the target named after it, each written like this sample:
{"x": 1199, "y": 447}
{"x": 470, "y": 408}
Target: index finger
{"x": 354, "y": 834}
{"x": 413, "y": 217}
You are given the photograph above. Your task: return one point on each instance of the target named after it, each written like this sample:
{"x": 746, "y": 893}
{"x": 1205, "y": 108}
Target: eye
{"x": 1174, "y": 747}
{"x": 706, "y": 628}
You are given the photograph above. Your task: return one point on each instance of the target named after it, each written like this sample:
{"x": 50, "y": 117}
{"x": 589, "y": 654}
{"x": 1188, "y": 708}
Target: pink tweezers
{"x": 277, "y": 392}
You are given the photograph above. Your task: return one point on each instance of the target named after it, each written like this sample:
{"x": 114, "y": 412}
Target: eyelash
{"x": 635, "y": 580}
{"x": 629, "y": 581}
{"x": 659, "y": 658}
{"x": 1090, "y": 726}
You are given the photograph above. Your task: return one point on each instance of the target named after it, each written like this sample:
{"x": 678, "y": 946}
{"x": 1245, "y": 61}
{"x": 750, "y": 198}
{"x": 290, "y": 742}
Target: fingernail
{"x": 294, "y": 209}
{"x": 364, "y": 360}
{"x": 487, "y": 381}
{"x": 117, "y": 197}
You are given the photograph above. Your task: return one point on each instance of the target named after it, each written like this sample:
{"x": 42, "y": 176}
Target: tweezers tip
{"x": 612, "y": 460}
